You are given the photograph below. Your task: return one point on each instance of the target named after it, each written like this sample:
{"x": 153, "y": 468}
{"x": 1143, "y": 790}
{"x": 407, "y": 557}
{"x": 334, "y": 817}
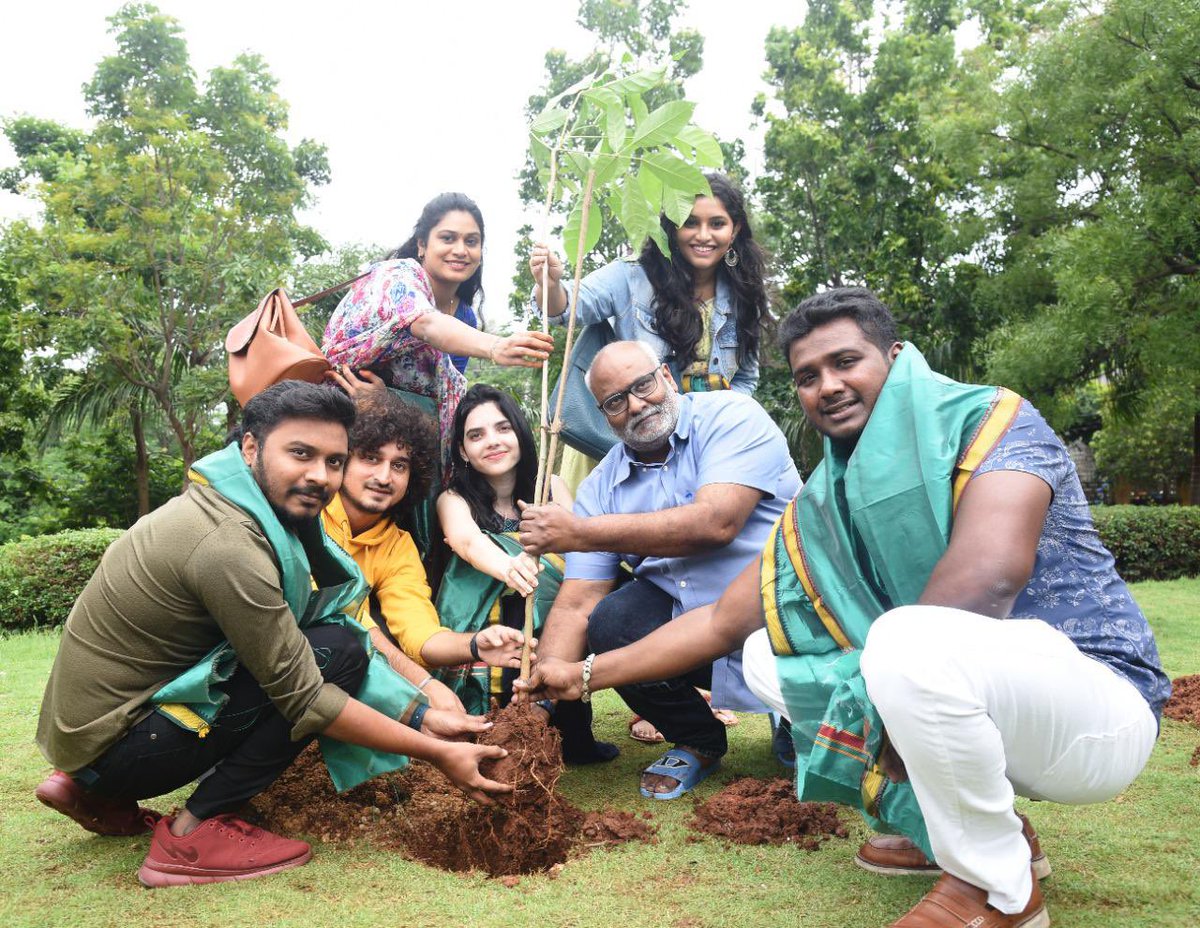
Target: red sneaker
{"x": 97, "y": 814}
{"x": 221, "y": 848}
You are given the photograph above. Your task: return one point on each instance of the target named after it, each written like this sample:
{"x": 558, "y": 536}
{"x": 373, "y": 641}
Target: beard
{"x": 660, "y": 418}
{"x": 289, "y": 520}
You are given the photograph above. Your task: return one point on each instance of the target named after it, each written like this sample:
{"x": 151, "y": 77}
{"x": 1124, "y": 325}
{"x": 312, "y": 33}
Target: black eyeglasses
{"x": 641, "y": 388}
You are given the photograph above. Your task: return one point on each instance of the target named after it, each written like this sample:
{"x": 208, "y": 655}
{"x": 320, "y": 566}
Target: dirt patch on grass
{"x": 750, "y": 811}
{"x": 420, "y": 814}
{"x": 1184, "y": 706}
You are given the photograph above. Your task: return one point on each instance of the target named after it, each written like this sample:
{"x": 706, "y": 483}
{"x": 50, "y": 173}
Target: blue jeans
{"x": 629, "y": 614}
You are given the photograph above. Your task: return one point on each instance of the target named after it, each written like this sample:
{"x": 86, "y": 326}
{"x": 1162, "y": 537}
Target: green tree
{"x": 161, "y": 227}
{"x": 1093, "y": 147}
{"x": 854, "y": 190}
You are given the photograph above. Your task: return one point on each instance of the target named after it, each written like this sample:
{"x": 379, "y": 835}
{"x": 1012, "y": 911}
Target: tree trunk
{"x": 1195, "y": 487}
{"x": 141, "y": 466}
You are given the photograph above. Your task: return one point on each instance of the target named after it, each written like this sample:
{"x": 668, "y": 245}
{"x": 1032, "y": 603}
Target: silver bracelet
{"x": 424, "y": 683}
{"x": 586, "y": 695}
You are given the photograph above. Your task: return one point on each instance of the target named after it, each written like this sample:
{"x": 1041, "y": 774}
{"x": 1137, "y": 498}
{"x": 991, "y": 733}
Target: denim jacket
{"x": 620, "y": 293}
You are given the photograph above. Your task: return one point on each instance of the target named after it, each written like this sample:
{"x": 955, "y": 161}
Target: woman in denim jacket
{"x": 701, "y": 311}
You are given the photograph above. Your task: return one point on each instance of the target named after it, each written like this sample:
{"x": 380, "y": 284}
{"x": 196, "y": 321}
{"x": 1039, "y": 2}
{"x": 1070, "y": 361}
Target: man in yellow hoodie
{"x": 393, "y": 453}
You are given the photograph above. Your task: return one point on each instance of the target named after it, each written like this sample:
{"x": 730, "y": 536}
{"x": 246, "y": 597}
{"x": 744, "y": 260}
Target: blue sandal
{"x": 682, "y": 765}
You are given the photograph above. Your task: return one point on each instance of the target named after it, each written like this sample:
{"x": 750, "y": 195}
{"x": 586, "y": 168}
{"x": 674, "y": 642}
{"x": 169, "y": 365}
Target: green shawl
{"x": 193, "y": 700}
{"x": 469, "y": 600}
{"x": 863, "y": 537}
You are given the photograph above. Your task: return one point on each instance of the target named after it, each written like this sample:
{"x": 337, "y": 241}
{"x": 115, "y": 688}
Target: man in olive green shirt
{"x": 198, "y": 571}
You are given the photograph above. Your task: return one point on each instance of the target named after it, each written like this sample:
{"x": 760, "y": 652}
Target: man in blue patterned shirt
{"x": 1062, "y": 705}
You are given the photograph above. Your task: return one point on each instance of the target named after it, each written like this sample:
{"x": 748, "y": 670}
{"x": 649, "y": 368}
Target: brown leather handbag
{"x": 271, "y": 344}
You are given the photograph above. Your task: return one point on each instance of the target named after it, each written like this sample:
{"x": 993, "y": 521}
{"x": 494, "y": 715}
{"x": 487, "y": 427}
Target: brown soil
{"x": 1184, "y": 706}
{"x": 750, "y": 811}
{"x": 419, "y": 813}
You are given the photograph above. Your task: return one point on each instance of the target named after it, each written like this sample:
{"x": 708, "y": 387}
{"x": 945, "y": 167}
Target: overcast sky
{"x": 411, "y": 98}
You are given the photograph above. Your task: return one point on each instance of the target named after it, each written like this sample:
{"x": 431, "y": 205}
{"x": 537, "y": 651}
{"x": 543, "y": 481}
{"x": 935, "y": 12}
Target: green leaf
{"x": 540, "y": 151}
{"x": 571, "y": 232}
{"x": 659, "y": 236}
{"x": 636, "y": 214}
{"x": 549, "y": 120}
{"x": 676, "y": 173}
{"x": 652, "y": 189}
{"x": 708, "y": 152}
{"x": 641, "y": 81}
{"x": 661, "y": 125}
{"x": 614, "y": 114}
{"x": 677, "y": 204}
{"x": 638, "y": 107}
{"x": 581, "y": 84}
{"x": 608, "y": 167}
{"x": 578, "y": 162}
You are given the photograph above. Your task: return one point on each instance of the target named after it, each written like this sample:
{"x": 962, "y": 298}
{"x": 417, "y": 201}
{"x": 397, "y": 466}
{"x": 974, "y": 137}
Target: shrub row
{"x": 41, "y": 577}
{"x": 1151, "y": 542}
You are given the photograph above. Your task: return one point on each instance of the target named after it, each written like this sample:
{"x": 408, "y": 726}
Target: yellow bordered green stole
{"x": 194, "y": 699}
{"x": 470, "y": 600}
{"x": 863, "y": 537}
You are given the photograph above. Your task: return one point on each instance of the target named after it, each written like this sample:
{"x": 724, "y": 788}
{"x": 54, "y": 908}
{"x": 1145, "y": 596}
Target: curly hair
{"x": 388, "y": 419}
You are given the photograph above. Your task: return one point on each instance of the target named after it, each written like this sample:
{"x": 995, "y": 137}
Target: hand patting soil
{"x": 418, "y": 812}
{"x": 1184, "y": 705}
{"x": 750, "y": 811}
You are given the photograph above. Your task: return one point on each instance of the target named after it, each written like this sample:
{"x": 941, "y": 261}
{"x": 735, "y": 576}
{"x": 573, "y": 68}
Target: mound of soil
{"x": 614, "y": 826}
{"x": 750, "y": 811}
{"x": 421, "y": 814}
{"x": 1184, "y": 705}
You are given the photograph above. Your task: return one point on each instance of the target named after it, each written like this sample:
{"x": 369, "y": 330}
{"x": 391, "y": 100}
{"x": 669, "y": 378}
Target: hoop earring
{"x": 731, "y": 257}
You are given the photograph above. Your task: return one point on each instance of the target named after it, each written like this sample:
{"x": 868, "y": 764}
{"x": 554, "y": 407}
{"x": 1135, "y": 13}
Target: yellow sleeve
{"x": 405, "y": 598}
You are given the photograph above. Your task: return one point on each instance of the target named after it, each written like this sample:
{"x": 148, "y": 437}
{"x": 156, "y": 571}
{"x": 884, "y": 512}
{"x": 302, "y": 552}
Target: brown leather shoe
{"x": 953, "y": 903}
{"x": 892, "y": 855}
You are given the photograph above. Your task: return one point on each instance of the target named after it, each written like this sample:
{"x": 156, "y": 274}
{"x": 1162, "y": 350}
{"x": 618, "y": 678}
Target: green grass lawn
{"x": 1130, "y": 862}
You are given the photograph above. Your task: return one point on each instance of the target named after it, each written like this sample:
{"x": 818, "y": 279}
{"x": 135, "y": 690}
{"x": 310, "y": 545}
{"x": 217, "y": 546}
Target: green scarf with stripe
{"x": 193, "y": 699}
{"x": 863, "y": 537}
{"x": 469, "y": 601}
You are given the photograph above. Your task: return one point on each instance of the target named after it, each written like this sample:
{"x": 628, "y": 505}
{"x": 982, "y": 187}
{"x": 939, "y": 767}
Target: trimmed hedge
{"x": 41, "y": 577}
{"x": 1151, "y": 542}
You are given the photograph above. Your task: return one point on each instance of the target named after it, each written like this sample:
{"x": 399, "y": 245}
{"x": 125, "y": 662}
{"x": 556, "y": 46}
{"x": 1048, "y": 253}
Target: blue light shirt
{"x": 621, "y": 294}
{"x": 1075, "y": 585}
{"x": 721, "y": 437}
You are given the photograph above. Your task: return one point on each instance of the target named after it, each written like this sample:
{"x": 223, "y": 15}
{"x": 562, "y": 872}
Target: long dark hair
{"x": 466, "y": 481}
{"x": 676, "y": 319}
{"x": 431, "y": 215}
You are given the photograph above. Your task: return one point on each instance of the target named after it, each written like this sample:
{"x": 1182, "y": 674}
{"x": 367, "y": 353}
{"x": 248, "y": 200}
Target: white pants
{"x": 980, "y": 710}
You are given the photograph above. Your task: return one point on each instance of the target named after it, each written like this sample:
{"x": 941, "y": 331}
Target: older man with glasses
{"x": 681, "y": 504}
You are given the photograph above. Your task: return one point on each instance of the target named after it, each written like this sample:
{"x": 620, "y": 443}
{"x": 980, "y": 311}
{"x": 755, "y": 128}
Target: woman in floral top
{"x": 400, "y": 320}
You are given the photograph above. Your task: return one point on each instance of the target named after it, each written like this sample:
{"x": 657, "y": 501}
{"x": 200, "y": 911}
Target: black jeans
{"x": 244, "y": 752}
{"x": 629, "y": 614}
